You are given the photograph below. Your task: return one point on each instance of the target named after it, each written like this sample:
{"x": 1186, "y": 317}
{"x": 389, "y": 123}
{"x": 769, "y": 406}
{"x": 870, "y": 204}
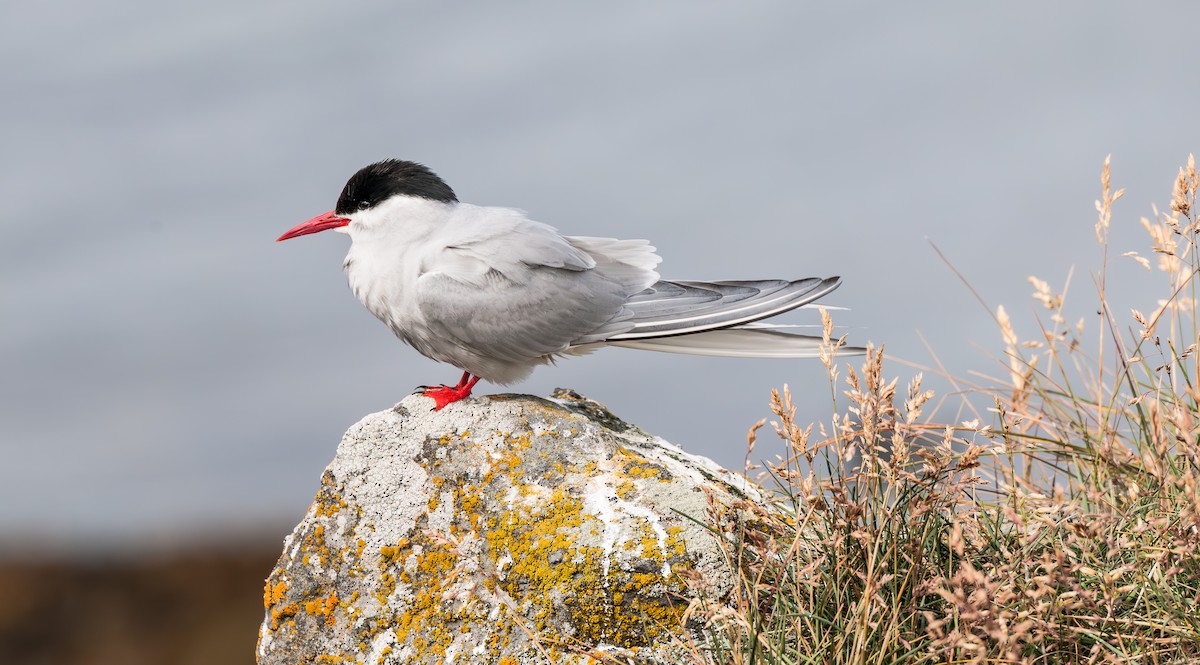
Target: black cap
{"x": 381, "y": 181}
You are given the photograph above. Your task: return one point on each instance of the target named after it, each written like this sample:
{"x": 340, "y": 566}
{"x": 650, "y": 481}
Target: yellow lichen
{"x": 596, "y": 615}
{"x": 625, "y": 489}
{"x": 329, "y": 500}
{"x": 281, "y": 614}
{"x": 387, "y": 586}
{"x": 323, "y": 607}
{"x": 272, "y": 594}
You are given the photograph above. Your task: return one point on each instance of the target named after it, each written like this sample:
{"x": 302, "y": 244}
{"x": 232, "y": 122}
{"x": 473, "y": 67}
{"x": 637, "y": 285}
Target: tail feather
{"x": 753, "y": 342}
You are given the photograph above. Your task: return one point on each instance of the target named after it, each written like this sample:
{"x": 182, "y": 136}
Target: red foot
{"x": 443, "y": 395}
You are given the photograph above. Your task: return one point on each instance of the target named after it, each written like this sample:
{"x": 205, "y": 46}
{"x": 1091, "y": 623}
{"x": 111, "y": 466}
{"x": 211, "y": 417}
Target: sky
{"x": 168, "y": 373}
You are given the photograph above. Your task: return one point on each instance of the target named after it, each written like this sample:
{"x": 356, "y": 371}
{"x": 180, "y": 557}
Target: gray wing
{"x": 519, "y": 317}
{"x": 507, "y": 292}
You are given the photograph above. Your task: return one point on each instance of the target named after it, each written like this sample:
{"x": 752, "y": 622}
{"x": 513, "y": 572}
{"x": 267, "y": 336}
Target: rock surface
{"x": 501, "y": 529}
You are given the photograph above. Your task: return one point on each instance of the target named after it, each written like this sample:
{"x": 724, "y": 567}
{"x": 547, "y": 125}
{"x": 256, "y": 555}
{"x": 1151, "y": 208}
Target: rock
{"x": 501, "y": 529}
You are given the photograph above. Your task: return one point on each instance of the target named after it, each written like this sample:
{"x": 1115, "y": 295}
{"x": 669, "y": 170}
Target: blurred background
{"x": 172, "y": 382}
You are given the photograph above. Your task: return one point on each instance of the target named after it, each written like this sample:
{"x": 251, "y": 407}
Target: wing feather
{"x": 671, "y": 308}
{"x": 509, "y": 299}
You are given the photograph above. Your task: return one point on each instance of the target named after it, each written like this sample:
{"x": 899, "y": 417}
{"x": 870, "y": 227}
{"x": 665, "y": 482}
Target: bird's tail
{"x": 749, "y": 341}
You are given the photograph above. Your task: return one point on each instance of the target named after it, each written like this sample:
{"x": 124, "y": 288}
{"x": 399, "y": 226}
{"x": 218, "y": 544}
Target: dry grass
{"x": 1060, "y": 527}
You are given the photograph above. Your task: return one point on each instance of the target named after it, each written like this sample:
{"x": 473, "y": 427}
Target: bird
{"x": 495, "y": 294}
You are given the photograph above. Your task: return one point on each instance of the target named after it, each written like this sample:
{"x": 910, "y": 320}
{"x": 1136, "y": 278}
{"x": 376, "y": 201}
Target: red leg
{"x": 443, "y": 395}
{"x": 463, "y": 381}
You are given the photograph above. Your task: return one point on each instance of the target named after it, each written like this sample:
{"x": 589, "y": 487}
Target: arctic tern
{"x": 495, "y": 294}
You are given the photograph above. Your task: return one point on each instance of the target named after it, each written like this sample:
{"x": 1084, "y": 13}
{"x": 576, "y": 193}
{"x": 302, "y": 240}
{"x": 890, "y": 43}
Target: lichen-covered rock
{"x": 502, "y": 529}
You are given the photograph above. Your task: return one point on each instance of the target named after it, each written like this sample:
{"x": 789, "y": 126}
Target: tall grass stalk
{"x": 1065, "y": 530}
